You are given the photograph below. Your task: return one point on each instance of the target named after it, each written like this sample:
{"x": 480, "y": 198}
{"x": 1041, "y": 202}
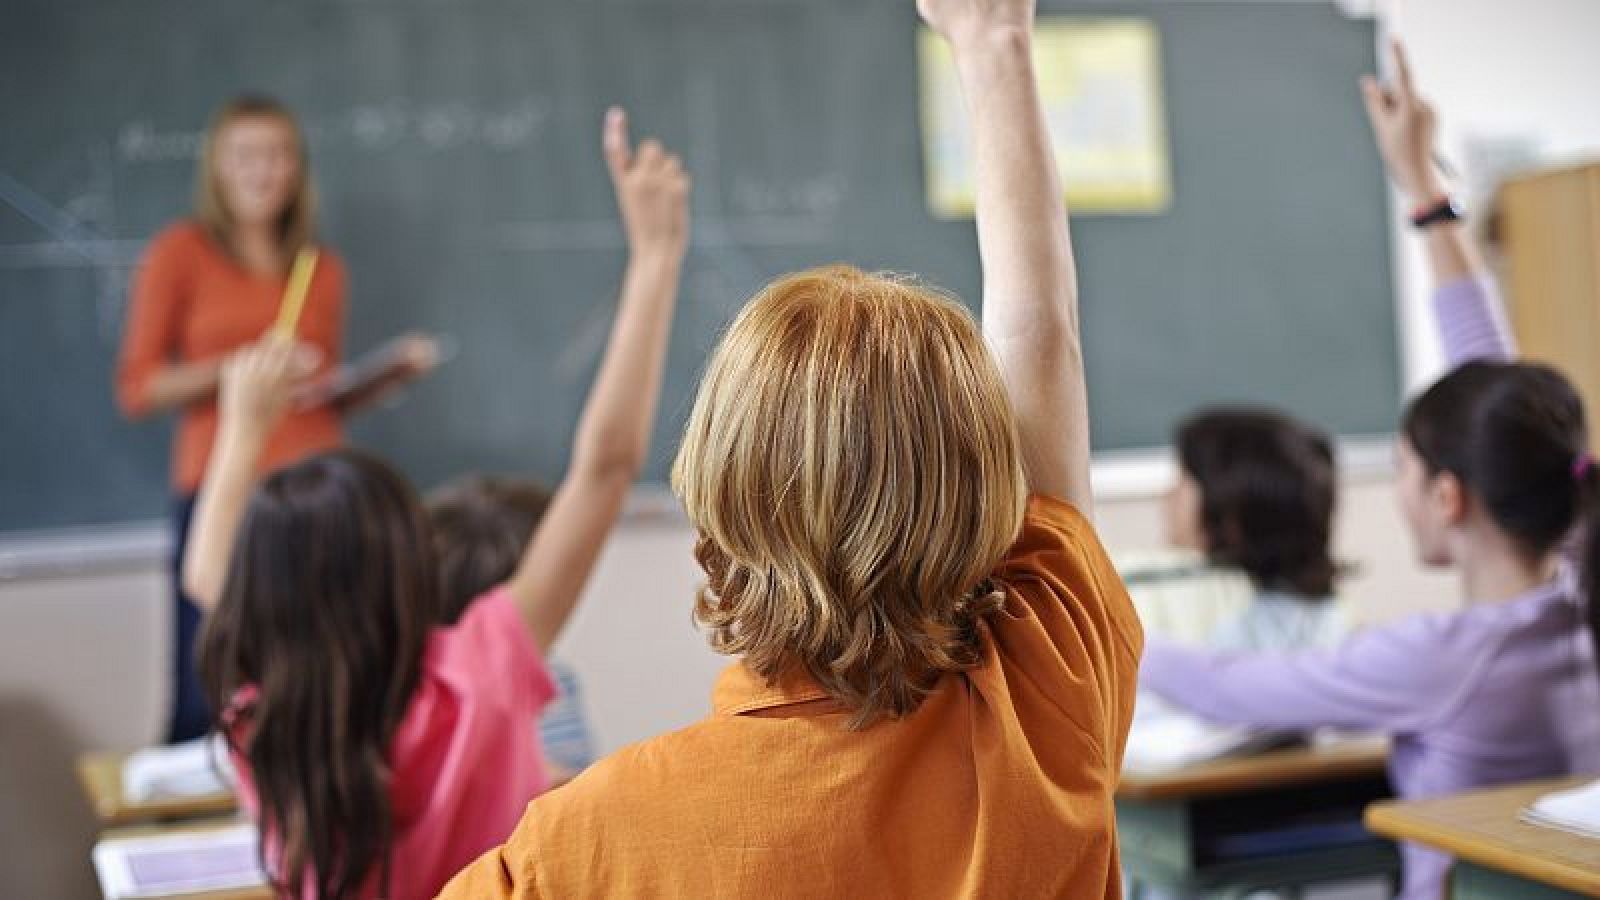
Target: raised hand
{"x": 613, "y": 437}
{"x": 257, "y": 387}
{"x": 652, "y": 189}
{"x": 1405, "y": 126}
{"x": 259, "y": 382}
{"x": 964, "y": 20}
{"x": 1030, "y": 288}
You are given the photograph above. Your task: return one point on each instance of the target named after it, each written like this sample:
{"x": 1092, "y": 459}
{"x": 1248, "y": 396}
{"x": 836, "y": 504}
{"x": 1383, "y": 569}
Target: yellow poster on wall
{"x": 1100, "y": 85}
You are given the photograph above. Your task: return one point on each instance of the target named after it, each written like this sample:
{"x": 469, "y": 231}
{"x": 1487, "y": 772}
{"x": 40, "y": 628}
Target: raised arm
{"x": 258, "y": 384}
{"x": 1471, "y": 319}
{"x": 1372, "y": 681}
{"x": 613, "y": 436}
{"x": 1030, "y": 290}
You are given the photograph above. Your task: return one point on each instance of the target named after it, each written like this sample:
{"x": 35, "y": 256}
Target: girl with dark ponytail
{"x": 1496, "y": 482}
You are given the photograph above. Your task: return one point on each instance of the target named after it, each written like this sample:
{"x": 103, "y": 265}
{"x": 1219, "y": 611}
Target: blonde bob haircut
{"x": 297, "y": 224}
{"x": 852, "y": 467}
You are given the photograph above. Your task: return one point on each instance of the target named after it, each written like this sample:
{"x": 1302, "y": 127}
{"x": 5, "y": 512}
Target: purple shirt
{"x": 1494, "y": 693}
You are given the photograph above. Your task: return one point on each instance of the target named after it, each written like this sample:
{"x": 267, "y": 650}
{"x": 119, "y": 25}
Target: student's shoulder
{"x": 669, "y": 776}
{"x": 489, "y": 644}
{"x": 1058, "y": 560}
{"x": 670, "y": 764}
{"x": 486, "y": 617}
{"x": 1056, "y": 540}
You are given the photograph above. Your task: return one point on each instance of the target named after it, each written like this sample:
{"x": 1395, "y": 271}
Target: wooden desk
{"x": 101, "y": 777}
{"x": 262, "y": 892}
{"x": 1209, "y": 830}
{"x": 1498, "y": 857}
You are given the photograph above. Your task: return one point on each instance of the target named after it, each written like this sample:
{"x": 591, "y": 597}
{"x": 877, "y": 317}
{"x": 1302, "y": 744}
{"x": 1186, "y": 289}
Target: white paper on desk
{"x": 1576, "y": 810}
{"x": 196, "y": 768}
{"x": 1164, "y": 738}
{"x": 182, "y": 863}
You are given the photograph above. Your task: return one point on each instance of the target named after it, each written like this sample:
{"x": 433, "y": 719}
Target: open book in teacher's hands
{"x": 378, "y": 375}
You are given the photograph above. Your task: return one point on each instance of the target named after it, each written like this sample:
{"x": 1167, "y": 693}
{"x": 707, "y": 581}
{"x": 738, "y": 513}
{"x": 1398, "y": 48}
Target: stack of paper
{"x": 164, "y": 865}
{"x": 1172, "y": 742}
{"x": 196, "y": 768}
{"x": 1164, "y": 737}
{"x": 1576, "y": 810}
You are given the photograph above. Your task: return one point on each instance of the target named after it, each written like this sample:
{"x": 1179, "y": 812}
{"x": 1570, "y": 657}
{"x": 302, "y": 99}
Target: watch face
{"x": 1446, "y": 210}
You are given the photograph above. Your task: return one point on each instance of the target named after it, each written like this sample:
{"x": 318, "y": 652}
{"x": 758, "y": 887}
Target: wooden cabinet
{"x": 1549, "y": 232}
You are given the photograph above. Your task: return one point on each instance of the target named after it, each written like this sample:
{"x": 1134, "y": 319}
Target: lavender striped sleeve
{"x": 1472, "y": 322}
{"x": 1380, "y": 678}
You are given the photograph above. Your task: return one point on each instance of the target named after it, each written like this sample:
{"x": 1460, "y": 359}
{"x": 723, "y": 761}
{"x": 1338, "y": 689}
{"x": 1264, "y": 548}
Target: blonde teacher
{"x": 215, "y": 283}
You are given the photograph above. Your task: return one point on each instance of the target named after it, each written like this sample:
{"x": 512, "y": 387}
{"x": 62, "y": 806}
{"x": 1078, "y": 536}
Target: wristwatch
{"x": 1444, "y": 209}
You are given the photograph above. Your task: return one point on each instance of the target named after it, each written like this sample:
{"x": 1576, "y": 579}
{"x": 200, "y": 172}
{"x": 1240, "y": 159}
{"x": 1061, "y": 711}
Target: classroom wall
{"x": 82, "y": 666}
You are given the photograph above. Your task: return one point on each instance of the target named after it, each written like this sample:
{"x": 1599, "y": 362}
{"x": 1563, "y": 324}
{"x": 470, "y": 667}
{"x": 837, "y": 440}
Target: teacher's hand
{"x": 417, "y": 354}
{"x": 258, "y": 384}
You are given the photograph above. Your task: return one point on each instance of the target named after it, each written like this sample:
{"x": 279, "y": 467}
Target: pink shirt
{"x": 466, "y": 758}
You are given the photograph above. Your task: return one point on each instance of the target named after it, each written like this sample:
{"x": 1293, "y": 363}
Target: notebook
{"x": 1576, "y": 810}
{"x": 373, "y": 370}
{"x": 197, "y": 768}
{"x": 1163, "y": 742}
{"x": 183, "y": 862}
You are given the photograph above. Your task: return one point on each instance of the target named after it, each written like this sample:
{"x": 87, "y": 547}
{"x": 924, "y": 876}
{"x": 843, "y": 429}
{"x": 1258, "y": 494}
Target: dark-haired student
{"x": 481, "y": 524}
{"x": 1256, "y": 494}
{"x": 1496, "y": 482}
{"x": 481, "y": 527}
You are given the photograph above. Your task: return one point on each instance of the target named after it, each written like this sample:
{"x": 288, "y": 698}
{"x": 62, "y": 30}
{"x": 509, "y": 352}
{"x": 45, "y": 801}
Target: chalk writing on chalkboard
{"x": 382, "y": 125}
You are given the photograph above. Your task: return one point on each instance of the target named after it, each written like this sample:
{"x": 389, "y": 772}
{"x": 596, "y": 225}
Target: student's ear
{"x": 1448, "y": 498}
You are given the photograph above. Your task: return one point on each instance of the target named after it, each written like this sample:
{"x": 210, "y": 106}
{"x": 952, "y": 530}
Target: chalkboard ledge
{"x": 84, "y": 550}
{"x": 1122, "y": 476}
{"x": 1146, "y": 474}
{"x": 107, "y": 549}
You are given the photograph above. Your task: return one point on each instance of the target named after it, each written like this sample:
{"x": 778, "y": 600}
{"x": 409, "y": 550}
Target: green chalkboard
{"x": 454, "y": 143}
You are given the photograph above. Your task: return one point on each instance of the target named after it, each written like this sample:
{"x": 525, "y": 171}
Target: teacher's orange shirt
{"x": 192, "y": 302}
{"x": 1000, "y": 785}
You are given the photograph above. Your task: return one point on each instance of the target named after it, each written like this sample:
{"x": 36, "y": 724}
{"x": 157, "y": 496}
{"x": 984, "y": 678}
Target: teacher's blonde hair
{"x": 852, "y": 468}
{"x": 297, "y": 224}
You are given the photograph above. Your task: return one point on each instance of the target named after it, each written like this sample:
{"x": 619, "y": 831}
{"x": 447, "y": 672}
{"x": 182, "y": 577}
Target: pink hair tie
{"x": 1582, "y": 466}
